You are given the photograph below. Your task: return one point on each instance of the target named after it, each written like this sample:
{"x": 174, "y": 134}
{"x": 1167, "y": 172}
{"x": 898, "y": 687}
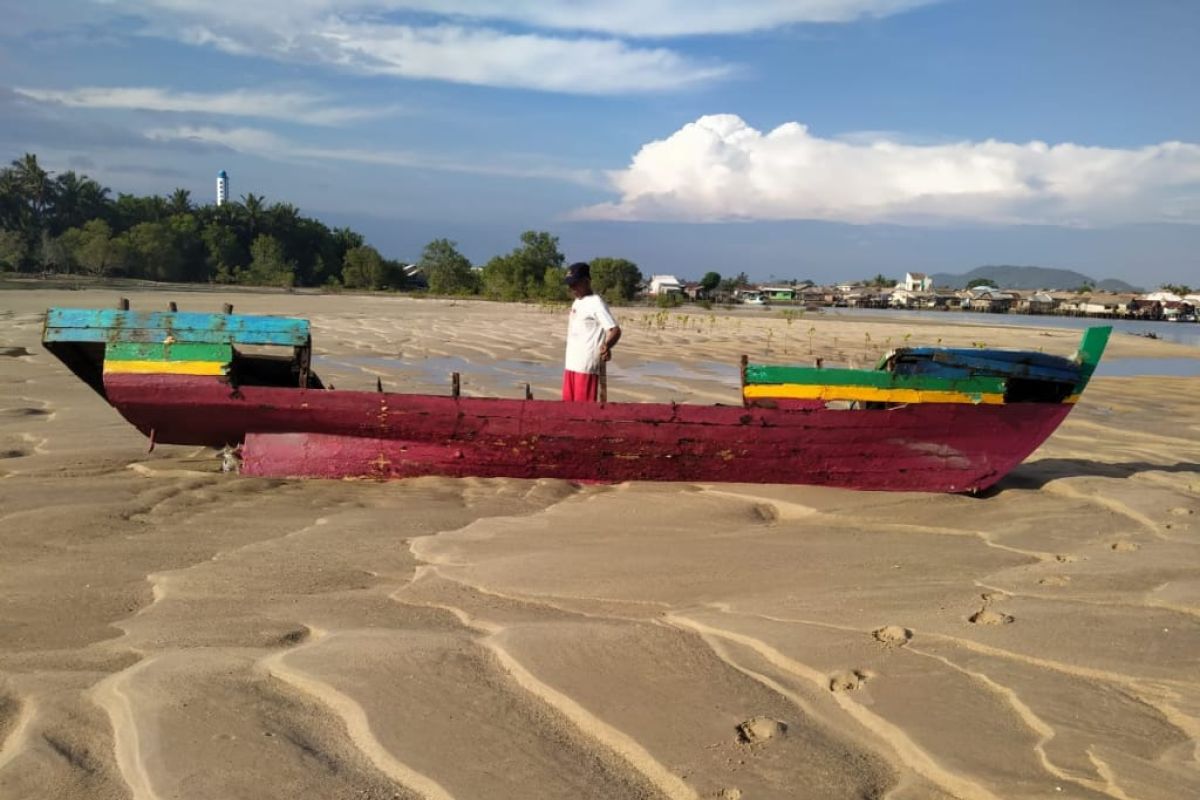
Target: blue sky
{"x": 822, "y": 139}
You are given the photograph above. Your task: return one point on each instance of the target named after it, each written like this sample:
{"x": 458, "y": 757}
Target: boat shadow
{"x": 1036, "y": 474}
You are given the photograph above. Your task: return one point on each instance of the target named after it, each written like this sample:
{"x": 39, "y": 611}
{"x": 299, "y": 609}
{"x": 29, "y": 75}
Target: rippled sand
{"x": 167, "y": 631}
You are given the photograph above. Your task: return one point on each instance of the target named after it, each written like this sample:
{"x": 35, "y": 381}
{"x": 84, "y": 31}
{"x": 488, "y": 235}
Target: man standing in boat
{"x": 591, "y": 334}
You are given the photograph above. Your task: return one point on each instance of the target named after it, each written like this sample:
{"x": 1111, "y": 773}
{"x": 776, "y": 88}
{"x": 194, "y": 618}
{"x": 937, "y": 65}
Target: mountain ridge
{"x": 1008, "y": 276}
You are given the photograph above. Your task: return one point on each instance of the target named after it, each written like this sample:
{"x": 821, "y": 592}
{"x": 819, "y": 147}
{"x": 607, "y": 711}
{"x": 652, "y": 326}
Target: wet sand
{"x": 168, "y": 631}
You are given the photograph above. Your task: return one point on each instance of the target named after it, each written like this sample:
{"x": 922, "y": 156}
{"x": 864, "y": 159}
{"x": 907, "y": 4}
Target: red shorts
{"x": 580, "y": 387}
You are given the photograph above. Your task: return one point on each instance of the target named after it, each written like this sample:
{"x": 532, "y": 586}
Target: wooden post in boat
{"x": 603, "y": 382}
{"x": 304, "y": 362}
{"x": 172, "y": 306}
{"x": 227, "y": 308}
{"x": 745, "y": 361}
{"x": 455, "y": 385}
{"x": 378, "y": 384}
{"x": 123, "y": 304}
{"x": 528, "y": 392}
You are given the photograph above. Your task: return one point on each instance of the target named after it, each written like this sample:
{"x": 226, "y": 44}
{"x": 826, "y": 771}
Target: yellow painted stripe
{"x": 797, "y": 391}
{"x": 167, "y": 367}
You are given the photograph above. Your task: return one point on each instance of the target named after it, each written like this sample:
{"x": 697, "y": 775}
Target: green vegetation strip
{"x": 810, "y": 376}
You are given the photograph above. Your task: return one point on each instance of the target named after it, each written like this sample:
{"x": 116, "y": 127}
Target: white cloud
{"x": 491, "y": 58}
{"x": 289, "y": 106}
{"x": 628, "y": 18}
{"x": 720, "y": 168}
{"x": 366, "y": 37}
{"x": 265, "y": 144}
{"x": 248, "y": 140}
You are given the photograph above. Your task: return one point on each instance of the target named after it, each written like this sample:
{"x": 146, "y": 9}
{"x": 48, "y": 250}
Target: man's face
{"x": 581, "y": 288}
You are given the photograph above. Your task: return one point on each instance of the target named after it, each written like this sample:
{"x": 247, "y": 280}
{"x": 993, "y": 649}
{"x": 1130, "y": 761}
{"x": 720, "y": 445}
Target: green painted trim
{"x": 1091, "y": 349}
{"x": 812, "y": 376}
{"x": 176, "y": 351}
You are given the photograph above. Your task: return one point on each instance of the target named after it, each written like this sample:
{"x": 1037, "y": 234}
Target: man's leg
{"x": 591, "y": 387}
{"x": 580, "y": 387}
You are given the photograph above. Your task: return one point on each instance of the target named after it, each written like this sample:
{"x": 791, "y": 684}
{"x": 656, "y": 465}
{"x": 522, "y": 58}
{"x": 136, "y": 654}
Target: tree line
{"x": 69, "y": 223}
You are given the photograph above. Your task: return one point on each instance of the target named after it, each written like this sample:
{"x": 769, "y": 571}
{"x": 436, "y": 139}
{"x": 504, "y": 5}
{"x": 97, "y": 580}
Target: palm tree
{"x": 93, "y": 199}
{"x": 180, "y": 201}
{"x": 67, "y": 196}
{"x": 252, "y": 210}
{"x": 11, "y": 201}
{"x": 35, "y": 185}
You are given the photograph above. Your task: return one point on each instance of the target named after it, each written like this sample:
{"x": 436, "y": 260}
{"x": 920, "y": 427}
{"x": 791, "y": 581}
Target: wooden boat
{"x": 926, "y": 419}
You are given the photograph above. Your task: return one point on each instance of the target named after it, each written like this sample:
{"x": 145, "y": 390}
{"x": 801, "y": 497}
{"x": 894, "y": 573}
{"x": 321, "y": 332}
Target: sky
{"x": 809, "y": 139}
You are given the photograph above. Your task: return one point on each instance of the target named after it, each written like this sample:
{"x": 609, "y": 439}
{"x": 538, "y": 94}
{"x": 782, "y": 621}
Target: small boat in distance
{"x": 925, "y": 419}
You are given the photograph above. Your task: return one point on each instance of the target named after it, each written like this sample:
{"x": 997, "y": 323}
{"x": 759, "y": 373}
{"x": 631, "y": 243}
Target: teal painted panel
{"x": 113, "y": 325}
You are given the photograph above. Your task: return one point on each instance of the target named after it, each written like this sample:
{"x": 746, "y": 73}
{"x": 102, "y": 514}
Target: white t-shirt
{"x": 590, "y": 318}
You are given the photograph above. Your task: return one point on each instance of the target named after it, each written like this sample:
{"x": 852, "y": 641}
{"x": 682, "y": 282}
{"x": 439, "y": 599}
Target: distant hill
{"x": 1010, "y": 277}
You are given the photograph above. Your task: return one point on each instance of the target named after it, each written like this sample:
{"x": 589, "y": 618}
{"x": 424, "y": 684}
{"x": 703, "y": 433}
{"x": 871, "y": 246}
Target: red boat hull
{"x": 292, "y": 432}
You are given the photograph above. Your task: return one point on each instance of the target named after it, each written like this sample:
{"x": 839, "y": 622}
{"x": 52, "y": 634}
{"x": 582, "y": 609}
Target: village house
{"x": 817, "y": 295}
{"x": 869, "y": 297}
{"x": 1035, "y": 303}
{"x": 988, "y": 299}
{"x": 779, "y": 294}
{"x": 917, "y": 282}
{"x": 664, "y": 284}
{"x": 945, "y": 300}
{"x": 903, "y": 297}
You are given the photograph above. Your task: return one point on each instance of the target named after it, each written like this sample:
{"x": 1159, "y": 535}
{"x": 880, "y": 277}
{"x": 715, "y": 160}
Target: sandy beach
{"x": 169, "y": 631}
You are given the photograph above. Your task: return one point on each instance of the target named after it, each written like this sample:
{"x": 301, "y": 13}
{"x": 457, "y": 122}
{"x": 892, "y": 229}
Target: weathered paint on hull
{"x": 291, "y": 432}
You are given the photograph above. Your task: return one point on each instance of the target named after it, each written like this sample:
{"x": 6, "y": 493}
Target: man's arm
{"x": 611, "y": 337}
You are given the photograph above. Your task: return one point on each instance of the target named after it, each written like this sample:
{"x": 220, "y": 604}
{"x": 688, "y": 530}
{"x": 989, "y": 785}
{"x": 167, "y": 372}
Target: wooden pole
{"x": 172, "y": 306}
{"x": 123, "y": 304}
{"x": 455, "y": 384}
{"x": 745, "y": 362}
{"x": 228, "y": 308}
{"x": 603, "y": 382}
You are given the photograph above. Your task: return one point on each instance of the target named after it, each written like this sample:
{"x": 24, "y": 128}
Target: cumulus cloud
{"x": 290, "y": 106}
{"x": 719, "y": 168}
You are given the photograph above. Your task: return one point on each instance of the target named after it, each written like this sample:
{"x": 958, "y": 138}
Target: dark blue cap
{"x": 577, "y": 272}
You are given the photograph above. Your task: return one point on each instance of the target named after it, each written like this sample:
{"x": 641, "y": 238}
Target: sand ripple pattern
{"x": 170, "y": 632}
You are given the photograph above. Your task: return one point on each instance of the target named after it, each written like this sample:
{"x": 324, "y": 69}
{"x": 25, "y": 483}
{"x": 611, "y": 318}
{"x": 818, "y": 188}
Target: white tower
{"x": 222, "y": 187}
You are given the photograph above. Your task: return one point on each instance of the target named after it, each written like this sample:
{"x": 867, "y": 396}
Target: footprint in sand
{"x": 847, "y": 680}
{"x": 765, "y": 512}
{"x": 892, "y": 635}
{"x": 295, "y": 637}
{"x": 988, "y": 616}
{"x": 1054, "y": 580}
{"x": 1123, "y": 546}
{"x": 1065, "y": 558}
{"x": 24, "y": 412}
{"x": 758, "y": 730}
{"x": 1181, "y": 511}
